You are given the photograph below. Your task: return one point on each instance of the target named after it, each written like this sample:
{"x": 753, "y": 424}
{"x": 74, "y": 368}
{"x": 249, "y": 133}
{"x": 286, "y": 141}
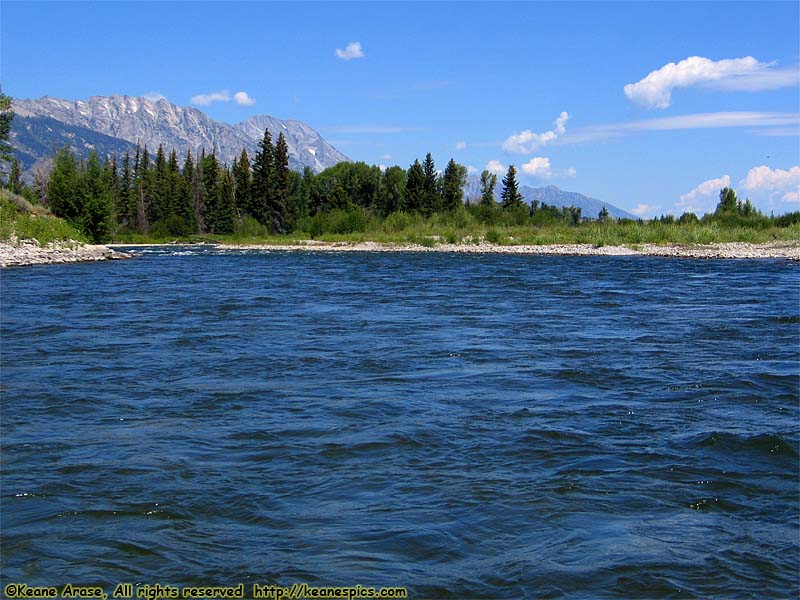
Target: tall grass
{"x": 469, "y": 226}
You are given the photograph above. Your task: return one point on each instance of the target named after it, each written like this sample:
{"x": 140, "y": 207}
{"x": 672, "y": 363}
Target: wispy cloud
{"x": 781, "y": 183}
{"x": 206, "y": 99}
{"x": 527, "y": 141}
{"x": 461, "y": 145}
{"x": 741, "y": 74}
{"x": 692, "y": 121}
{"x": 351, "y": 51}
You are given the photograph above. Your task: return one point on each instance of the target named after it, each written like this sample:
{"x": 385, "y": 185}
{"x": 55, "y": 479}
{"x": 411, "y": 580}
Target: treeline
{"x": 156, "y": 195}
{"x": 159, "y": 197}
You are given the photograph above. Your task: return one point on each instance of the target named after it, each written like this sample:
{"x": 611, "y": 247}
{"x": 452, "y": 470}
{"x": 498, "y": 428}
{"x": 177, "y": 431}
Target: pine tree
{"x": 112, "y": 185}
{"x": 6, "y": 116}
{"x": 280, "y": 186}
{"x": 15, "y": 177}
{"x": 603, "y": 215}
{"x": 432, "y": 198}
{"x": 415, "y": 188}
{"x": 95, "y": 217}
{"x": 455, "y": 176}
{"x": 262, "y": 180}
{"x": 184, "y": 206}
{"x": 143, "y": 186}
{"x": 210, "y": 170}
{"x": 124, "y": 214}
{"x": 63, "y": 195}
{"x": 488, "y": 182}
{"x": 242, "y": 180}
{"x": 199, "y": 196}
{"x": 727, "y": 201}
{"x": 225, "y": 216}
{"x": 510, "y": 194}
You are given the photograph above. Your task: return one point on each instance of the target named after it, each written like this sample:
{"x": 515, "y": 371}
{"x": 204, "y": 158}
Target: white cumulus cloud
{"x": 745, "y": 74}
{"x": 461, "y": 145}
{"x": 538, "y": 166}
{"x": 352, "y": 50}
{"x": 496, "y": 167}
{"x": 774, "y": 182}
{"x": 242, "y": 99}
{"x": 471, "y": 170}
{"x": 703, "y": 198}
{"x": 643, "y": 210}
{"x": 527, "y": 141}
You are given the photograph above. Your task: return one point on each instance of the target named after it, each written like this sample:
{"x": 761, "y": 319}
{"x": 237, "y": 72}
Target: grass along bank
{"x": 25, "y": 221}
{"x": 462, "y": 227}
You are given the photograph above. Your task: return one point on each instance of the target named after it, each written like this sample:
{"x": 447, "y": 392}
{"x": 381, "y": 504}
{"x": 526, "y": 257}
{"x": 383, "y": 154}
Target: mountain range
{"x": 118, "y": 123}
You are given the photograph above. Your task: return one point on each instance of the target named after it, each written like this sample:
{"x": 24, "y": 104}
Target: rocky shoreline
{"x": 14, "y": 253}
{"x": 17, "y": 253}
{"x": 731, "y": 250}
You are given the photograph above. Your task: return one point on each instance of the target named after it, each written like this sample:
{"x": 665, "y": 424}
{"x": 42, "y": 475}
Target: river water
{"x": 466, "y": 426}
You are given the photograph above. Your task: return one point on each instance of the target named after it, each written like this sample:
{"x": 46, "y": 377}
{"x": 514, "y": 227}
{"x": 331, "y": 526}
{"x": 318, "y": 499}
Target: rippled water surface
{"x": 466, "y": 426}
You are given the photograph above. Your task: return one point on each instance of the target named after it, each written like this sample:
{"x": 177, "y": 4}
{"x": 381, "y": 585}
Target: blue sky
{"x": 712, "y": 92}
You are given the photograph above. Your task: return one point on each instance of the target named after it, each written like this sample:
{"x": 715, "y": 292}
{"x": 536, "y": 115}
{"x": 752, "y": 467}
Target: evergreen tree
{"x": 242, "y": 180}
{"x": 488, "y": 182}
{"x": 63, "y": 188}
{"x": 143, "y": 186}
{"x": 160, "y": 188}
{"x": 280, "y": 187}
{"x": 224, "y": 218}
{"x": 184, "y": 208}
{"x": 603, "y": 216}
{"x": 95, "y": 217}
{"x": 15, "y": 177}
{"x": 728, "y": 202}
{"x": 415, "y": 188}
{"x": 510, "y": 195}
{"x": 126, "y": 214}
{"x": 6, "y": 116}
{"x": 262, "y": 180}
{"x": 199, "y": 195}
{"x": 432, "y": 199}
{"x": 453, "y": 181}
{"x": 112, "y": 185}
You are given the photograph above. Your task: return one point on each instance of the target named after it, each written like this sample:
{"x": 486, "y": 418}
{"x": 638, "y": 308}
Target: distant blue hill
{"x": 590, "y": 207}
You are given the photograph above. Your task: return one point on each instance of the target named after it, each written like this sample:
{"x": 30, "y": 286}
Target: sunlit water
{"x": 466, "y": 426}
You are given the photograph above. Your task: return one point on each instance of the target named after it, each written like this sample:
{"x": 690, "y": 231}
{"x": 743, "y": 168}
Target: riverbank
{"x": 731, "y": 250}
{"x": 17, "y": 253}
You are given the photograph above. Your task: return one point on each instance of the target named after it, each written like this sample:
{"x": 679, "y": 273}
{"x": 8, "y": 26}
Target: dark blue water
{"x": 466, "y": 426}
